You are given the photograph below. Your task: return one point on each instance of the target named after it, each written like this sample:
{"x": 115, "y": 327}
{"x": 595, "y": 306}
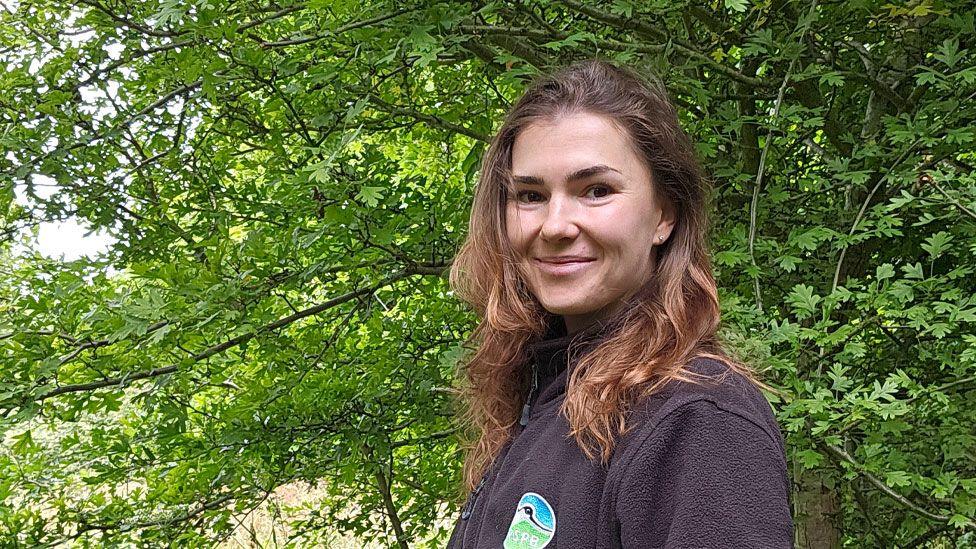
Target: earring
{"x": 661, "y": 238}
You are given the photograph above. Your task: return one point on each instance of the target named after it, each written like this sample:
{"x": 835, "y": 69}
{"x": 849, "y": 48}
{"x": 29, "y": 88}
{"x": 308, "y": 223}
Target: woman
{"x": 604, "y": 410}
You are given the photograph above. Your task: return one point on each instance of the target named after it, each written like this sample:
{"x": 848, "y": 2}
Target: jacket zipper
{"x": 524, "y": 420}
{"x": 471, "y": 498}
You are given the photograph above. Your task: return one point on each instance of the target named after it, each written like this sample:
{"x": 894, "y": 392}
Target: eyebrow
{"x": 575, "y": 176}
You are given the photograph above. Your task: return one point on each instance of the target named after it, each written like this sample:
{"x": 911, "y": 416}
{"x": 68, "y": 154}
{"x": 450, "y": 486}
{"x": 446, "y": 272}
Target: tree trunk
{"x": 815, "y": 512}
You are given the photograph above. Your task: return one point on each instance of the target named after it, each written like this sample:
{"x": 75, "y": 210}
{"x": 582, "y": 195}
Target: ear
{"x": 665, "y": 226}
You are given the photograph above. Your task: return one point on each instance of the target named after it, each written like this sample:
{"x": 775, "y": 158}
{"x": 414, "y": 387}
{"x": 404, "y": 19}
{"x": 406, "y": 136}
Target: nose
{"x": 560, "y": 219}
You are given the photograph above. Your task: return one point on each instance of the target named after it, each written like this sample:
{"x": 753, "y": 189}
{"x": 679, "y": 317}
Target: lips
{"x": 563, "y": 266}
{"x": 565, "y": 259}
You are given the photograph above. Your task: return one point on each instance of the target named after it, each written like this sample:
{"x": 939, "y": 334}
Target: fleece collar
{"x": 557, "y": 353}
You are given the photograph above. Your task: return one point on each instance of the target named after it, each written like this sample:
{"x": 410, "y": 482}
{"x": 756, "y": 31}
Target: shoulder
{"x": 704, "y": 467}
{"x": 719, "y": 401}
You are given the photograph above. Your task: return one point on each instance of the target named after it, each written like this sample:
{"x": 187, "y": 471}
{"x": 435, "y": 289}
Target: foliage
{"x": 287, "y": 183}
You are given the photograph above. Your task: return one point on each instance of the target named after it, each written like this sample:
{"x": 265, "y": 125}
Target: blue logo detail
{"x": 534, "y": 523}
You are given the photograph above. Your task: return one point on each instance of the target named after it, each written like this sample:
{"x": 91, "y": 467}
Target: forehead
{"x": 571, "y": 142}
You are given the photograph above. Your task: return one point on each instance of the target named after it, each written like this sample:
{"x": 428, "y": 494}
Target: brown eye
{"x": 521, "y": 194}
{"x": 600, "y": 188}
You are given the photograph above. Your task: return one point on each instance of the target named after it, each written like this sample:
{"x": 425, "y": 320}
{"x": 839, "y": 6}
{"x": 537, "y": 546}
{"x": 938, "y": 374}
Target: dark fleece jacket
{"x": 703, "y": 467}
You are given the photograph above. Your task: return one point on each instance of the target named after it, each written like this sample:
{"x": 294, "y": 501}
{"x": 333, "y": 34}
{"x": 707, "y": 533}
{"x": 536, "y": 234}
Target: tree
{"x": 287, "y": 183}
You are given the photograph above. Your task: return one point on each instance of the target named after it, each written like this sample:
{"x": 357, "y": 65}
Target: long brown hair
{"x": 667, "y": 322}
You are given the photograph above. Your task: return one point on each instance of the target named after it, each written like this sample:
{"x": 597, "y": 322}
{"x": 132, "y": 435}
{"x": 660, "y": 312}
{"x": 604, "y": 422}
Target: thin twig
{"x": 754, "y": 204}
{"x": 221, "y": 347}
{"x": 842, "y": 454}
{"x": 953, "y": 200}
{"x": 344, "y": 28}
{"x": 881, "y": 179}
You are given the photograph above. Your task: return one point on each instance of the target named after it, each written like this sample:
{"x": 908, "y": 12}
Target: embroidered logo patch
{"x": 533, "y": 525}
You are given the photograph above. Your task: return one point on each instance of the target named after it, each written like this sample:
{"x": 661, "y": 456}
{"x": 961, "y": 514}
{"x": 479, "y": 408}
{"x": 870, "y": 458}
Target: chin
{"x": 570, "y": 308}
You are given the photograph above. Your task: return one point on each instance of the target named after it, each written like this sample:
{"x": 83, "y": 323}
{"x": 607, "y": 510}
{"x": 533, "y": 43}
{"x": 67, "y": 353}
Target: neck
{"x": 578, "y": 323}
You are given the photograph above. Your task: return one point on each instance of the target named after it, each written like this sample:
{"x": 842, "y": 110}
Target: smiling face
{"x": 583, "y": 218}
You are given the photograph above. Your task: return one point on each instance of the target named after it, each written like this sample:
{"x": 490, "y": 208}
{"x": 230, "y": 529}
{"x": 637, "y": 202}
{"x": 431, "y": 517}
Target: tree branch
{"x": 955, "y": 202}
{"x": 389, "y": 505}
{"x": 905, "y": 502}
{"x": 344, "y": 28}
{"x": 420, "y": 440}
{"x": 122, "y": 528}
{"x": 754, "y": 204}
{"x": 103, "y": 342}
{"x": 649, "y": 31}
{"x": 428, "y": 118}
{"x": 276, "y": 15}
{"x": 128, "y": 22}
{"x": 97, "y": 136}
{"x": 221, "y": 347}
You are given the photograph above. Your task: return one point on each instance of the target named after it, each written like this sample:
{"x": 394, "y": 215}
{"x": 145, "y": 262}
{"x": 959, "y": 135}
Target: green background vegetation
{"x": 287, "y": 182}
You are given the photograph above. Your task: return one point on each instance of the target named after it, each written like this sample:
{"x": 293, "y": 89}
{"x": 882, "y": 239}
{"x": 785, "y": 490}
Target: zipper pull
{"x": 525, "y": 415}
{"x": 524, "y": 420}
{"x": 474, "y": 495}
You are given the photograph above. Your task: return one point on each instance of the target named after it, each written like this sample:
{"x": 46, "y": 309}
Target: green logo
{"x": 533, "y": 525}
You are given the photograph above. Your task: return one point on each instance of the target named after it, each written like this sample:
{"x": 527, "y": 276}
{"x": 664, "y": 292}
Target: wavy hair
{"x": 670, "y": 320}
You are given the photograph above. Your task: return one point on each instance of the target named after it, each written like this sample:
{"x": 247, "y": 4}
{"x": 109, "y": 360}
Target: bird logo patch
{"x": 533, "y": 525}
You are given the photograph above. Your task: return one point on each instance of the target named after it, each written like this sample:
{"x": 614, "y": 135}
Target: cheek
{"x": 622, "y": 231}
{"x": 627, "y": 238}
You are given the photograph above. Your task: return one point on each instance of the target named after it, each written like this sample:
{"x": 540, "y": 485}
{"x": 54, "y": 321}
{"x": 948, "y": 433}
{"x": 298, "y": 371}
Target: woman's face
{"x": 583, "y": 218}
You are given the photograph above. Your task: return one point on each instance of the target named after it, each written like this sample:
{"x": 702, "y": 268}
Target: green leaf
{"x": 737, "y": 5}
{"x": 804, "y": 300}
{"x": 960, "y": 521}
{"x": 938, "y": 243}
{"x": 730, "y": 258}
{"x": 928, "y": 77}
{"x": 170, "y": 12}
{"x": 622, "y": 7}
{"x": 810, "y": 459}
{"x": 840, "y": 382}
{"x": 898, "y": 478}
{"x": 472, "y": 161}
{"x": 370, "y": 195}
{"x": 913, "y": 271}
{"x": 949, "y": 53}
{"x": 810, "y": 239}
{"x": 789, "y": 262}
{"x": 571, "y": 41}
{"x": 832, "y": 78}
